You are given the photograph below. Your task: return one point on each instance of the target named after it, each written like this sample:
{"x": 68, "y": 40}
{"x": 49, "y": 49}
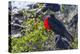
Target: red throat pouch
{"x": 46, "y": 24}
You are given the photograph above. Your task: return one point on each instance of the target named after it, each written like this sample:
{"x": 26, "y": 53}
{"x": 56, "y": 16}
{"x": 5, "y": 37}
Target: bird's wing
{"x": 57, "y": 25}
{"x": 59, "y": 28}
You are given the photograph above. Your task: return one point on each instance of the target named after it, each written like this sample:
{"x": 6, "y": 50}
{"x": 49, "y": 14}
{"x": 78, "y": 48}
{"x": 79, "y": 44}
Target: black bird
{"x": 49, "y": 6}
{"x": 53, "y": 7}
{"x": 51, "y": 23}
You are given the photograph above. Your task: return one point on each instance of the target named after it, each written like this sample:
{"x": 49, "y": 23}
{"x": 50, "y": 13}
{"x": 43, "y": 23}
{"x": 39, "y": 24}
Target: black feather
{"x": 59, "y": 28}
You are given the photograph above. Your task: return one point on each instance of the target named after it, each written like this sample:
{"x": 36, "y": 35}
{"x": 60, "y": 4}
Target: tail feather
{"x": 69, "y": 36}
{"x": 62, "y": 43}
